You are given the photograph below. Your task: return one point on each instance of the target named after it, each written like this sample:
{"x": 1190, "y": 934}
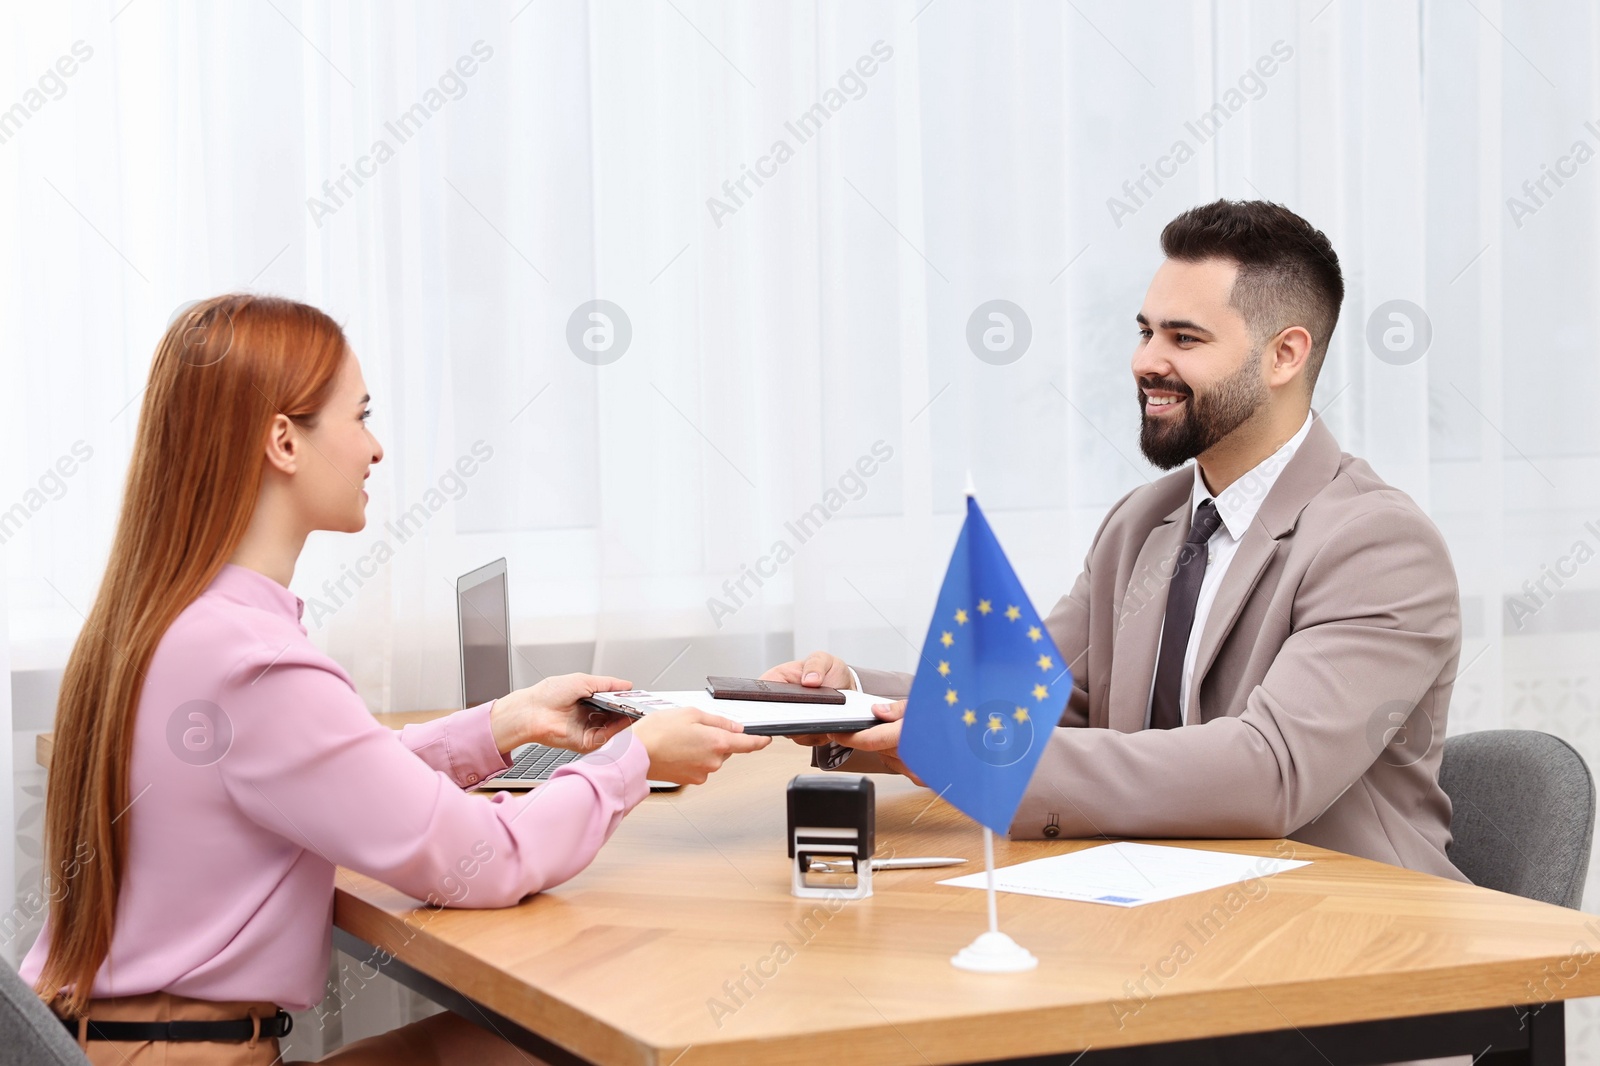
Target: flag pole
{"x": 988, "y": 834}
{"x": 988, "y": 864}
{"x": 993, "y": 951}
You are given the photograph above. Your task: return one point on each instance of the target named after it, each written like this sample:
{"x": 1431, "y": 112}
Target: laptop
{"x": 483, "y": 624}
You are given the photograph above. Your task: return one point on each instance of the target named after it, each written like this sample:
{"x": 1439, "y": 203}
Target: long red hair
{"x": 225, "y": 367}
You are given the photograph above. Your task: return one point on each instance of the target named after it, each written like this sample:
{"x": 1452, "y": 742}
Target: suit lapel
{"x": 1144, "y": 608}
{"x": 1314, "y": 464}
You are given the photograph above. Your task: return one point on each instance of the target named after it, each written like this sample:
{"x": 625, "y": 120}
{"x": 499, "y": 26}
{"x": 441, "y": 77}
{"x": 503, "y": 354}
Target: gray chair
{"x": 30, "y": 1033}
{"x": 1523, "y": 813}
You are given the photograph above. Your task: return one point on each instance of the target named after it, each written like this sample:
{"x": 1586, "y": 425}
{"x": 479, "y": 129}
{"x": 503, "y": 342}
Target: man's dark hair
{"x": 1288, "y": 272}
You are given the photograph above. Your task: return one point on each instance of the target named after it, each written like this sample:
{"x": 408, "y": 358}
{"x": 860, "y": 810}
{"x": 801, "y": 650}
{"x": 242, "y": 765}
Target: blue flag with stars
{"x": 990, "y": 687}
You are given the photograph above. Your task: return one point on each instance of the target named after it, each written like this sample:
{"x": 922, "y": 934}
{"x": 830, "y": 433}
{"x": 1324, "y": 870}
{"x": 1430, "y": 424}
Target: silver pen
{"x": 818, "y": 866}
{"x": 914, "y": 863}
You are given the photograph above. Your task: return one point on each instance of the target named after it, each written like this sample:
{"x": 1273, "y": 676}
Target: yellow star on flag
{"x": 944, "y": 668}
{"x": 968, "y": 717}
{"x": 1013, "y": 613}
{"x": 947, "y": 639}
{"x": 1045, "y": 662}
{"x": 950, "y": 697}
{"x": 961, "y": 616}
{"x": 1034, "y": 634}
{"x": 984, "y": 607}
{"x": 1021, "y": 714}
{"x": 1040, "y": 692}
{"x": 994, "y": 723}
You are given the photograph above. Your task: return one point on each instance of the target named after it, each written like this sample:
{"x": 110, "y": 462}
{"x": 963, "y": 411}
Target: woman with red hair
{"x": 202, "y": 873}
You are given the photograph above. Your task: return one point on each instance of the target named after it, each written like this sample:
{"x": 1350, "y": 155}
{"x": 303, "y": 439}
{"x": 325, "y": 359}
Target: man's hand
{"x": 822, "y": 669}
{"x": 883, "y": 739}
{"x": 817, "y": 670}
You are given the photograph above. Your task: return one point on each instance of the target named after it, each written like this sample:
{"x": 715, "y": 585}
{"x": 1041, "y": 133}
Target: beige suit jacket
{"x": 1318, "y": 705}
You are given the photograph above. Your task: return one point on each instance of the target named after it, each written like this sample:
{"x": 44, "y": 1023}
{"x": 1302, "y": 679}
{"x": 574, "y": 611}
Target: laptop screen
{"x": 484, "y": 623}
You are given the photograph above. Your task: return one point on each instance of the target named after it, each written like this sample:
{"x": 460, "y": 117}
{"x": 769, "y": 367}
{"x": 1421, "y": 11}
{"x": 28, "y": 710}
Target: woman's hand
{"x": 686, "y": 745}
{"x": 549, "y": 713}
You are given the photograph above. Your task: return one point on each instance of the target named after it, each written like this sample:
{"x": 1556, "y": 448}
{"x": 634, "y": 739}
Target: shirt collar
{"x": 1239, "y": 502}
{"x": 254, "y": 589}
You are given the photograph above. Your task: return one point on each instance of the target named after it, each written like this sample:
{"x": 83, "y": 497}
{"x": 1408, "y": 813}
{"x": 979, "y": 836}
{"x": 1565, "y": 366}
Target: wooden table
{"x": 682, "y": 944}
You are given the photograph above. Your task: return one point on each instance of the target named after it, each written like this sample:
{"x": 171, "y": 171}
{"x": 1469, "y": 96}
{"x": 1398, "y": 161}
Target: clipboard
{"x": 760, "y": 718}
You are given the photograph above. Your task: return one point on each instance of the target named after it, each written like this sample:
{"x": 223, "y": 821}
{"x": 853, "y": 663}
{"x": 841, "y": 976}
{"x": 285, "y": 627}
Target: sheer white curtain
{"x": 797, "y": 208}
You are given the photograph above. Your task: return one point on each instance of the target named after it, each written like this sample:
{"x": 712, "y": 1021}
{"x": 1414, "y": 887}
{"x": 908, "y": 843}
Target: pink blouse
{"x": 257, "y": 770}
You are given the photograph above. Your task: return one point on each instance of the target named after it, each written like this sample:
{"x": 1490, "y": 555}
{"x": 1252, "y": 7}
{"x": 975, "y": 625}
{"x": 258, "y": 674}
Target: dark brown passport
{"x": 744, "y": 688}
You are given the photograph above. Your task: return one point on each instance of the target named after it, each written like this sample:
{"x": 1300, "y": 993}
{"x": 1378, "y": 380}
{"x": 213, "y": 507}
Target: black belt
{"x": 233, "y": 1031}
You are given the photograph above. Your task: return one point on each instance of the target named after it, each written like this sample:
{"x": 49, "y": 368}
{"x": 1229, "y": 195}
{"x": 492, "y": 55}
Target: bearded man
{"x": 1262, "y": 644}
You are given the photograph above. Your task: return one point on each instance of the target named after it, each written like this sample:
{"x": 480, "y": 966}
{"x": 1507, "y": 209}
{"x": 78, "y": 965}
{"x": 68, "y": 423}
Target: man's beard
{"x": 1168, "y": 442}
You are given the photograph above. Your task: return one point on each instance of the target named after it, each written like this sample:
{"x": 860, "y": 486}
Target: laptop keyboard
{"x": 535, "y": 762}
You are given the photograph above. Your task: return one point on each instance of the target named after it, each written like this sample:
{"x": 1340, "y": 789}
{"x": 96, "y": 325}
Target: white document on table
{"x": 1128, "y": 875}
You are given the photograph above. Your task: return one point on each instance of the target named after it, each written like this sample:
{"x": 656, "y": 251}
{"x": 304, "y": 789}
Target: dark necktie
{"x": 1183, "y": 593}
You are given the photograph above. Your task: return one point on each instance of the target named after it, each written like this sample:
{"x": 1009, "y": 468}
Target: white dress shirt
{"x": 1237, "y": 505}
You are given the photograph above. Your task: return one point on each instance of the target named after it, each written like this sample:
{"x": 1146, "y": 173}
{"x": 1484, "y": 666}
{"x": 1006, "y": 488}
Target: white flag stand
{"x": 994, "y": 951}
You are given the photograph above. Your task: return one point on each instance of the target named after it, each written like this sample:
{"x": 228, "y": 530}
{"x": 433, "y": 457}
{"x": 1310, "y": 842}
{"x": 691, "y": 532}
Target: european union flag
{"x": 990, "y": 688}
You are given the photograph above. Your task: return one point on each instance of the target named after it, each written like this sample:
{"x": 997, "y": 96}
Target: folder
{"x": 759, "y": 717}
